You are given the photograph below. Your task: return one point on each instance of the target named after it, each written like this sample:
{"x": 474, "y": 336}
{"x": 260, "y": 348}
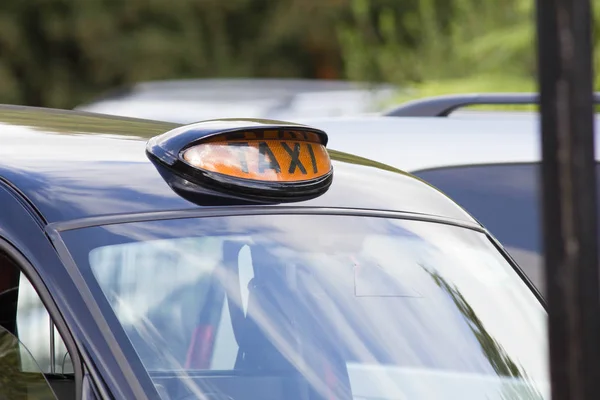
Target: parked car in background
{"x": 187, "y": 101}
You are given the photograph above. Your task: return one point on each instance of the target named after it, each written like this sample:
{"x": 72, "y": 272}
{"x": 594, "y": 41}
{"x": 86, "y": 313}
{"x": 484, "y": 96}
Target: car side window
{"x": 505, "y": 198}
{"x": 15, "y": 383}
{"x": 24, "y": 317}
{"x": 34, "y": 329}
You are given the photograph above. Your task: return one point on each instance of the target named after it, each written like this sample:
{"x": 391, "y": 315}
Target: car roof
{"x": 418, "y": 143}
{"x": 73, "y": 165}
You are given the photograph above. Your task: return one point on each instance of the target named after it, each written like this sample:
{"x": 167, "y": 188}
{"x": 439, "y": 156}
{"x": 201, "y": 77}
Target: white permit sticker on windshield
{"x": 389, "y": 267}
{"x": 375, "y": 280}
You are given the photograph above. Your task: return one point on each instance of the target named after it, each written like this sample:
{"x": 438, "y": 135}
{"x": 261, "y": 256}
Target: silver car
{"x": 187, "y": 101}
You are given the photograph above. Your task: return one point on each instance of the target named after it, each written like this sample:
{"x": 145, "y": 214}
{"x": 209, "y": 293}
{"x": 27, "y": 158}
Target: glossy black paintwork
{"x": 72, "y": 165}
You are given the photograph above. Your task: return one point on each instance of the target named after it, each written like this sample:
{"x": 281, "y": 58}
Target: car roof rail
{"x": 443, "y": 106}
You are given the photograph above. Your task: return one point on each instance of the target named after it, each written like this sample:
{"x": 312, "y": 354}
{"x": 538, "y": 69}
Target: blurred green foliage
{"x": 63, "y": 52}
{"x": 453, "y": 46}
{"x": 442, "y": 39}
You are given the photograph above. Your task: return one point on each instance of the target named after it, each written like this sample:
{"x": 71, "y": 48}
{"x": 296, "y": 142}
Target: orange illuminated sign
{"x": 271, "y": 155}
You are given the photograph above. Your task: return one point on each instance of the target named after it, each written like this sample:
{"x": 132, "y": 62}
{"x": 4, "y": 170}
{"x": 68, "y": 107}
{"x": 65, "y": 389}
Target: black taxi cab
{"x": 243, "y": 259}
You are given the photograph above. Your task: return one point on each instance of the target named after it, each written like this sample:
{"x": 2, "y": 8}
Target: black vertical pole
{"x": 569, "y": 196}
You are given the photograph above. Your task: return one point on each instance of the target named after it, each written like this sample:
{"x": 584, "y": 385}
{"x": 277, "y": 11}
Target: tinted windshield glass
{"x": 318, "y": 307}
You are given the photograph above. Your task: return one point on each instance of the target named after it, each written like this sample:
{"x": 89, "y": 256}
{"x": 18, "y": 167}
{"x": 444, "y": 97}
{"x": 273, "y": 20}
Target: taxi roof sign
{"x": 253, "y": 159}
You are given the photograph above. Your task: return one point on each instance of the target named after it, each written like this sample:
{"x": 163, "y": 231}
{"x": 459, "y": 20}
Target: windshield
{"x": 318, "y": 307}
